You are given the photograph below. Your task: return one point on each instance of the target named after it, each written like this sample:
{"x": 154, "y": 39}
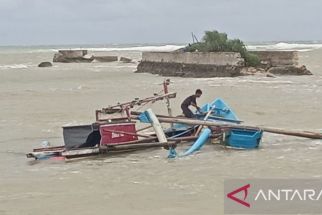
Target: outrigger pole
{"x": 305, "y": 134}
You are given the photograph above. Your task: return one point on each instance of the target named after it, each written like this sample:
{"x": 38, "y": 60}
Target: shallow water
{"x": 36, "y": 102}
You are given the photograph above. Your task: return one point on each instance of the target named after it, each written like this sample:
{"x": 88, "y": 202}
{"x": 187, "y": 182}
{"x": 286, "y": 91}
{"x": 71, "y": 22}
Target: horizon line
{"x": 156, "y": 43}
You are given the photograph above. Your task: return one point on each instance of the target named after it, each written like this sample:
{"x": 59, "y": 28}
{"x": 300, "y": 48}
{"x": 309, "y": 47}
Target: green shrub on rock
{"x": 251, "y": 59}
{"x": 214, "y": 41}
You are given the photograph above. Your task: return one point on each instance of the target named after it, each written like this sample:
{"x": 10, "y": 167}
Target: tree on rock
{"x": 214, "y": 41}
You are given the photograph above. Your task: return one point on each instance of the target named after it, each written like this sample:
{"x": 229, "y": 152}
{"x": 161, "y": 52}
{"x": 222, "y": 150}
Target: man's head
{"x": 198, "y": 93}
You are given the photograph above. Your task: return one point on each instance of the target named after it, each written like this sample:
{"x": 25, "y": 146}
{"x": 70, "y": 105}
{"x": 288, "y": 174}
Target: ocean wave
{"x": 116, "y": 66}
{"x": 164, "y": 48}
{"x": 14, "y": 66}
{"x": 42, "y": 51}
{"x": 286, "y": 47}
{"x": 161, "y": 48}
{"x": 282, "y": 46}
{"x": 265, "y": 81}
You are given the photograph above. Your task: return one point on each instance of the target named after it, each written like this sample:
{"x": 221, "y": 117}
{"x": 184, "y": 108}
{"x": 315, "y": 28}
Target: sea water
{"x": 36, "y": 102}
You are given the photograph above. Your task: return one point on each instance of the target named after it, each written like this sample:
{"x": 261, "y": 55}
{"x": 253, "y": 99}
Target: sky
{"x": 50, "y": 22}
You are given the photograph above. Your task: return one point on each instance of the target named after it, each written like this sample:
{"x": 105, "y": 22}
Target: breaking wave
{"x": 283, "y": 46}
{"x": 286, "y": 46}
{"x": 161, "y": 48}
{"x": 164, "y": 48}
{"x": 167, "y": 48}
{"x": 14, "y": 66}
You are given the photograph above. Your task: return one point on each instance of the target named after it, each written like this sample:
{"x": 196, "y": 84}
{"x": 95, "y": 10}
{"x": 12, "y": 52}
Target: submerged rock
{"x": 270, "y": 75}
{"x": 252, "y": 71}
{"x": 289, "y": 70}
{"x": 125, "y": 60}
{"x": 45, "y": 64}
{"x": 106, "y": 59}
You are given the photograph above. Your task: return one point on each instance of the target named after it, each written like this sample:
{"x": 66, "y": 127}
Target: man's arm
{"x": 195, "y": 105}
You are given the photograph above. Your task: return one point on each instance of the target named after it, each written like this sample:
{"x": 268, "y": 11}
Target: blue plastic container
{"x": 244, "y": 138}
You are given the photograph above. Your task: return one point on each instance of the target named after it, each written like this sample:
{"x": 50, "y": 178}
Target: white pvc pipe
{"x": 157, "y": 126}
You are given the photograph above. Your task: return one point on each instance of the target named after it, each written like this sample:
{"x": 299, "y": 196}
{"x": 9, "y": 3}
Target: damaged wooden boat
{"x": 119, "y": 129}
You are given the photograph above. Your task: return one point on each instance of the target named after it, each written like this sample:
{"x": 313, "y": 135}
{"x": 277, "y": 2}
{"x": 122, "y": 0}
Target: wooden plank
{"x": 124, "y": 147}
{"x": 79, "y": 152}
{"x": 127, "y": 133}
{"x": 50, "y": 149}
{"x": 141, "y": 145}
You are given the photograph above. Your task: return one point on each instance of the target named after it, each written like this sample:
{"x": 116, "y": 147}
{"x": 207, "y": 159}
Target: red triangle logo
{"x": 244, "y": 189}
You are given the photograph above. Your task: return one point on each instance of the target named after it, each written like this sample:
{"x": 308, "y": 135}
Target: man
{"x": 191, "y": 100}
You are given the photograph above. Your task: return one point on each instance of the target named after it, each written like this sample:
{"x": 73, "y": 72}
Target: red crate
{"x": 108, "y": 137}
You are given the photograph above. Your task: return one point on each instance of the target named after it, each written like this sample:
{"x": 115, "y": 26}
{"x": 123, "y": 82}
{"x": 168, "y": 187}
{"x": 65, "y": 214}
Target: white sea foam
{"x": 265, "y": 82}
{"x": 168, "y": 48}
{"x": 164, "y": 48}
{"x": 14, "y": 66}
{"x": 286, "y": 46}
{"x": 74, "y": 123}
{"x": 113, "y": 66}
{"x": 44, "y": 50}
{"x": 161, "y": 48}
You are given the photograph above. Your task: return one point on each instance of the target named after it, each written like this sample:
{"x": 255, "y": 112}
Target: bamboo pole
{"x": 136, "y": 113}
{"x": 206, "y": 117}
{"x": 305, "y": 134}
{"x": 145, "y": 128}
{"x": 145, "y": 100}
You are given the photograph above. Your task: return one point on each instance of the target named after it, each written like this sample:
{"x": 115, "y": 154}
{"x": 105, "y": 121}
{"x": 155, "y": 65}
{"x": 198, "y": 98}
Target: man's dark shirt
{"x": 187, "y": 102}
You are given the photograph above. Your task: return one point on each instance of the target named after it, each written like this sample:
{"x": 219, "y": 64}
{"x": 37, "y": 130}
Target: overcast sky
{"x": 32, "y": 22}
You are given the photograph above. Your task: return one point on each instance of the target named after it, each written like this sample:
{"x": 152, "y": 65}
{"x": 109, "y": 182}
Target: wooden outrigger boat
{"x": 119, "y": 129}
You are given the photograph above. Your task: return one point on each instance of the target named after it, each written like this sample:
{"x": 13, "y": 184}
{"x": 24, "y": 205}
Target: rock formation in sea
{"x": 45, "y": 64}
{"x": 220, "y": 64}
{"x": 125, "y": 60}
{"x": 105, "y": 59}
{"x": 289, "y": 70}
{"x": 82, "y": 56}
{"x": 73, "y": 56}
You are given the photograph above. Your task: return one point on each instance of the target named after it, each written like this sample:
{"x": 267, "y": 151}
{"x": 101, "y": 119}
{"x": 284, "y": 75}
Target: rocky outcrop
{"x": 188, "y": 70}
{"x": 105, "y": 59}
{"x": 73, "y": 56}
{"x": 62, "y": 59}
{"x": 196, "y": 65}
{"x": 289, "y": 70}
{"x": 198, "y": 58}
{"x": 219, "y": 64}
{"x": 82, "y": 56}
{"x": 270, "y": 75}
{"x": 277, "y": 58}
{"x": 125, "y": 60}
{"x": 73, "y": 53}
{"x": 277, "y": 70}
{"x": 252, "y": 71}
{"x": 280, "y": 63}
{"x": 45, "y": 64}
